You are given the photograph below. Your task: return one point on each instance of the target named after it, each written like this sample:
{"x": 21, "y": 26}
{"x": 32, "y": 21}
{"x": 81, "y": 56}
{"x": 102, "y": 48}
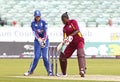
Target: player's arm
{"x": 74, "y": 33}
{"x": 75, "y": 27}
{"x": 35, "y": 32}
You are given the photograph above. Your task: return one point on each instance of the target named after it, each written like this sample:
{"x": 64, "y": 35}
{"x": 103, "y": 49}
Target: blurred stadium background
{"x": 87, "y": 12}
{"x": 99, "y": 21}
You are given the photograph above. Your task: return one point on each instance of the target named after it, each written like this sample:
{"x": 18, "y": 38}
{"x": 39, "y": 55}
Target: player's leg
{"x": 63, "y": 58}
{"x": 81, "y": 59}
{"x": 45, "y": 58}
{"x": 63, "y": 63}
{"x": 36, "y": 58}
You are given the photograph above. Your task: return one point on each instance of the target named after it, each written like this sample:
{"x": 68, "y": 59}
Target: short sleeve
{"x": 45, "y": 26}
{"x": 75, "y": 25}
{"x": 32, "y": 26}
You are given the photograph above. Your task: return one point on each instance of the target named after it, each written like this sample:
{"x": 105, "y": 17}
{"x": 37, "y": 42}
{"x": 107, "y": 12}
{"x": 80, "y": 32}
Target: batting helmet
{"x": 37, "y": 13}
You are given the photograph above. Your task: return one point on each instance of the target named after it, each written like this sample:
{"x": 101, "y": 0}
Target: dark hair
{"x": 65, "y": 15}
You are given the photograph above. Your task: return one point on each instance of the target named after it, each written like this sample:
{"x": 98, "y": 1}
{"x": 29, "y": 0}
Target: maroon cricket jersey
{"x": 69, "y": 28}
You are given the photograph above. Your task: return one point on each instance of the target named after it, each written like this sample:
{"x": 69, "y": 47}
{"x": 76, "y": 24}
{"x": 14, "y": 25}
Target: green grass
{"x": 16, "y": 67}
{"x": 40, "y": 80}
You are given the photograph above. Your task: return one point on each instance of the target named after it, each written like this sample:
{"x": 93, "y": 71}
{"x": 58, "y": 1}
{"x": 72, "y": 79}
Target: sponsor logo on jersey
{"x": 70, "y": 26}
{"x": 36, "y": 25}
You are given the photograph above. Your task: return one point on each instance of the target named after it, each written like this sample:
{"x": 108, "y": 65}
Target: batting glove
{"x": 68, "y": 40}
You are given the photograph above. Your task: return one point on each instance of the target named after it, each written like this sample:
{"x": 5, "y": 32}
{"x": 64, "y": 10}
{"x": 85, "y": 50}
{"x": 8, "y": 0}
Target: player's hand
{"x": 43, "y": 43}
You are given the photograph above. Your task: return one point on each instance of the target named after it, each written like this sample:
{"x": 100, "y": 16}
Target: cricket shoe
{"x": 27, "y": 74}
{"x": 82, "y": 73}
{"x": 61, "y": 75}
{"x": 50, "y": 74}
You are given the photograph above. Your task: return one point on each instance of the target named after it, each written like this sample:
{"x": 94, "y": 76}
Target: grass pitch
{"x": 16, "y": 67}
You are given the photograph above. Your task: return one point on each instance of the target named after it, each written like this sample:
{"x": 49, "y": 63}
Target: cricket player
{"x": 71, "y": 29}
{"x": 41, "y": 43}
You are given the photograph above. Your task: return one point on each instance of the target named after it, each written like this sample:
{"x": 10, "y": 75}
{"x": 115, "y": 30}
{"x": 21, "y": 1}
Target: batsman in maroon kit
{"x": 71, "y": 28}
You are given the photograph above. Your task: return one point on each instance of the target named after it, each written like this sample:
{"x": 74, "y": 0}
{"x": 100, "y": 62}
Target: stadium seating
{"x": 88, "y": 12}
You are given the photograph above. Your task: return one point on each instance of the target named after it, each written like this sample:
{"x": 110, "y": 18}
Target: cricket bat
{"x": 59, "y": 46}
